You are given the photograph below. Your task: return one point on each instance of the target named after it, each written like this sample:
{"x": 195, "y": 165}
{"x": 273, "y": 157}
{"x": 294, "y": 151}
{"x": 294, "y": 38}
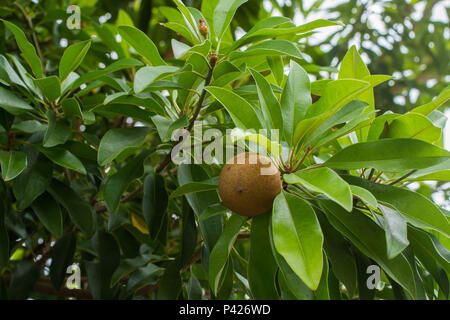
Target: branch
{"x": 168, "y": 158}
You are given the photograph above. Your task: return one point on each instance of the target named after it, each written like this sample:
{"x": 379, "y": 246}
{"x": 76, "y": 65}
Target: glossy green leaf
{"x": 72, "y": 58}
{"x": 170, "y": 284}
{"x": 192, "y": 187}
{"x": 49, "y": 213}
{"x": 416, "y": 208}
{"x": 365, "y": 196}
{"x": 63, "y": 157}
{"x": 13, "y": 104}
{"x": 220, "y": 252}
{"x": 117, "y": 183}
{"x": 4, "y": 237}
{"x": 240, "y": 110}
{"x": 336, "y": 95}
{"x": 62, "y": 258}
{"x": 33, "y": 181}
{"x": 26, "y": 48}
{"x": 147, "y": 75}
{"x": 269, "y": 48}
{"x": 415, "y": 126}
{"x": 223, "y": 14}
{"x": 262, "y": 267}
{"x": 154, "y": 203}
{"x": 395, "y": 228}
{"x": 342, "y": 260}
{"x": 58, "y": 130}
{"x": 96, "y": 74}
{"x": 296, "y": 99}
{"x": 212, "y": 211}
{"x": 71, "y": 107}
{"x": 80, "y": 211}
{"x": 116, "y": 141}
{"x": 326, "y": 181}
{"x": 126, "y": 267}
{"x": 429, "y": 251}
{"x": 142, "y": 44}
{"x": 12, "y": 164}
{"x": 50, "y": 87}
{"x": 298, "y": 238}
{"x": 428, "y": 108}
{"x": 23, "y": 278}
{"x": 390, "y": 155}
{"x": 268, "y": 102}
{"x": 370, "y": 239}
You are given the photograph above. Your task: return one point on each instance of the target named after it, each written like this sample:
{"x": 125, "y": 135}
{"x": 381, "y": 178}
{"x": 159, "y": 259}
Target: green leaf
{"x": 268, "y": 102}
{"x": 223, "y": 14}
{"x": 142, "y": 44}
{"x": 126, "y": 267}
{"x": 49, "y": 213}
{"x": 147, "y": 275}
{"x": 71, "y": 107}
{"x": 262, "y": 267}
{"x": 23, "y": 278}
{"x": 154, "y": 203}
{"x": 428, "y": 108}
{"x": 72, "y": 58}
{"x": 240, "y": 110}
{"x": 326, "y": 181}
{"x": 295, "y": 100}
{"x": 193, "y": 187}
{"x": 50, "y": 87}
{"x": 368, "y": 237}
{"x": 62, "y": 258}
{"x": 365, "y": 196}
{"x": 58, "y": 130}
{"x": 337, "y": 94}
{"x": 4, "y": 237}
{"x": 221, "y": 251}
{"x": 80, "y": 211}
{"x": 269, "y": 48}
{"x": 293, "y": 282}
{"x": 100, "y": 270}
{"x": 322, "y": 292}
{"x": 119, "y": 140}
{"x": 12, "y": 103}
{"x": 26, "y": 48}
{"x": 13, "y": 163}
{"x": 33, "y": 181}
{"x": 96, "y": 74}
{"x": 170, "y": 284}
{"x": 62, "y": 157}
{"x": 147, "y": 75}
{"x": 211, "y": 228}
{"x": 277, "y": 68}
{"x": 187, "y": 15}
{"x": 342, "y": 260}
{"x": 390, "y": 155}
{"x": 395, "y": 228}
{"x": 212, "y": 211}
{"x": 117, "y": 183}
{"x": 430, "y": 252}
{"x": 274, "y": 27}
{"x": 298, "y": 238}
{"x": 414, "y": 126}
{"x": 417, "y": 209}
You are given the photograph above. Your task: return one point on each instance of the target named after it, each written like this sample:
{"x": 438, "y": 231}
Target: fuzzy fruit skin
{"x": 242, "y": 187}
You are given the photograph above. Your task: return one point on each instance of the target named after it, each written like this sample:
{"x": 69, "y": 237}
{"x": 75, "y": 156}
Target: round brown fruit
{"x": 248, "y": 184}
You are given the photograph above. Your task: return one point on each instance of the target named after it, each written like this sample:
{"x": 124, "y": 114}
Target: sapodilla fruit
{"x": 248, "y": 184}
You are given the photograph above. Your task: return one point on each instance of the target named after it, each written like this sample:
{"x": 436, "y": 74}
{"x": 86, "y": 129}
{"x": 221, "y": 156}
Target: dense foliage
{"x": 87, "y": 134}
